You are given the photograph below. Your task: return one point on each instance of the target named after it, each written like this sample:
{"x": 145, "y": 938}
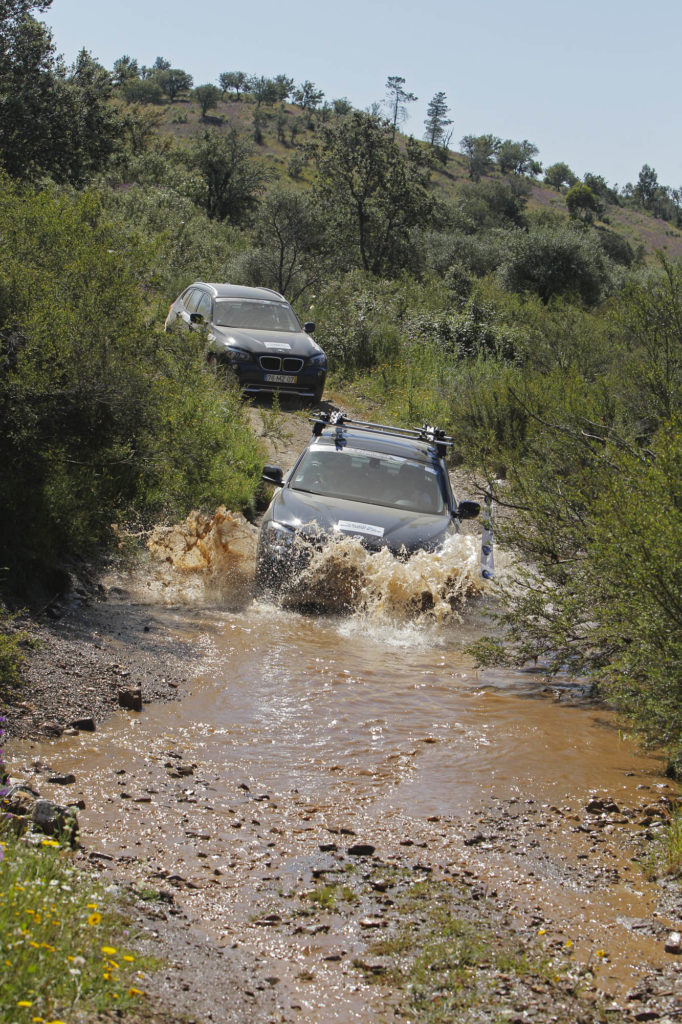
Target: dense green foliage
{"x": 101, "y": 412}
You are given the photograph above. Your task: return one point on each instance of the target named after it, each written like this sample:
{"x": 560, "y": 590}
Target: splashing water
{"x": 345, "y": 577}
{"x": 217, "y": 554}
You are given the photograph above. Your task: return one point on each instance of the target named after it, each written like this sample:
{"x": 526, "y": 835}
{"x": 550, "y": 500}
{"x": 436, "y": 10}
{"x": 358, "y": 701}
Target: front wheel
{"x": 317, "y": 395}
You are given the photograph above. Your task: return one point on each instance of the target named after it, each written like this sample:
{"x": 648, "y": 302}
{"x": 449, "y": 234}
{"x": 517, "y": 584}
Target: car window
{"x": 204, "y": 306}
{"x": 371, "y": 477}
{"x": 191, "y": 299}
{"x": 256, "y": 314}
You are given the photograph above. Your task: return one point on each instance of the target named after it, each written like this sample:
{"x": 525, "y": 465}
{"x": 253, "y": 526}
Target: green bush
{"x": 102, "y": 414}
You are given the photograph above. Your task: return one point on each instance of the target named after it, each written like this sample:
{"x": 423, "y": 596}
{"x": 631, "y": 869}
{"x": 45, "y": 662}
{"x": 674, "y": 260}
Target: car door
{"x": 189, "y": 303}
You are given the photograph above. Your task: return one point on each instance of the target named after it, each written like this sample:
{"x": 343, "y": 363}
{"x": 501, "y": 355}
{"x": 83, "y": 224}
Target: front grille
{"x": 270, "y": 363}
{"x": 292, "y": 365}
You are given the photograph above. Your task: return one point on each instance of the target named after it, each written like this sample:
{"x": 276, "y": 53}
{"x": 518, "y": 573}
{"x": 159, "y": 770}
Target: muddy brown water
{"x": 302, "y": 729}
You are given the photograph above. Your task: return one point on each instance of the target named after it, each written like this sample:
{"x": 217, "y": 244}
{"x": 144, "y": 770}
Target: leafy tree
{"x": 284, "y": 87}
{"x": 582, "y": 203}
{"x": 52, "y": 121}
{"x": 437, "y": 122}
{"x": 231, "y": 181}
{"x": 559, "y": 174}
{"x": 342, "y": 106}
{"x": 125, "y": 69}
{"x": 550, "y": 262}
{"x": 161, "y": 64}
{"x": 100, "y": 413}
{"x": 396, "y": 99}
{"x": 142, "y": 90}
{"x": 233, "y": 80}
{"x": 264, "y": 90}
{"x": 308, "y": 96}
{"x": 371, "y": 192}
{"x": 601, "y": 187}
{"x": 493, "y": 203}
{"x": 518, "y": 158}
{"x": 647, "y": 188}
{"x": 260, "y": 119}
{"x": 479, "y": 151}
{"x": 173, "y": 82}
{"x": 291, "y": 244}
{"x": 207, "y": 96}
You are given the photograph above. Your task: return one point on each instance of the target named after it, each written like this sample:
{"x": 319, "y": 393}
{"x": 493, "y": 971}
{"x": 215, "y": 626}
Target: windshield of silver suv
{"x": 373, "y": 477}
{"x": 255, "y": 314}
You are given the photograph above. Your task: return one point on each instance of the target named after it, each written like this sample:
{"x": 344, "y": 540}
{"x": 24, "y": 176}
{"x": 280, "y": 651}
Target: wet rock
{"x": 474, "y": 840}
{"x": 62, "y": 780}
{"x": 361, "y": 850}
{"x": 372, "y": 922}
{"x": 381, "y": 884}
{"x": 54, "y": 820}
{"x": 19, "y": 800}
{"x": 328, "y": 847}
{"x": 599, "y": 805}
{"x": 83, "y": 724}
{"x": 130, "y": 699}
{"x": 674, "y": 943}
{"x": 51, "y": 728}
{"x": 373, "y": 965}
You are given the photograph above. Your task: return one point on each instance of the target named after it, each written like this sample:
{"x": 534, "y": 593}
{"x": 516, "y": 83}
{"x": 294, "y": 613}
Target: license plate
{"x": 280, "y": 378}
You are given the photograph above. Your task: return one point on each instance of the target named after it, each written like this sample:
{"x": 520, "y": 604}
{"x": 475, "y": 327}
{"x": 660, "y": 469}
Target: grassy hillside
{"x": 182, "y": 121}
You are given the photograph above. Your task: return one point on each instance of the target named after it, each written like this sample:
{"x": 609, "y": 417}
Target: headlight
{"x": 318, "y": 360}
{"x": 237, "y": 355}
{"x": 279, "y": 533}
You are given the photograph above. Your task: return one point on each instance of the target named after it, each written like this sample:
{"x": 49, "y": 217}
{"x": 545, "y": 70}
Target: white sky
{"x": 595, "y": 82}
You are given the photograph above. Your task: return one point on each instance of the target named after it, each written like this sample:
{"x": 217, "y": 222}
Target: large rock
{"x": 53, "y": 820}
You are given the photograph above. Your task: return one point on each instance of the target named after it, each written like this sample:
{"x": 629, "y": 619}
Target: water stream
{"x": 299, "y": 726}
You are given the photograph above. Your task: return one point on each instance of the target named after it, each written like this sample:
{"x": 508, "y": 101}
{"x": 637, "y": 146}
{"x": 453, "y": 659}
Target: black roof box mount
{"x": 432, "y": 435}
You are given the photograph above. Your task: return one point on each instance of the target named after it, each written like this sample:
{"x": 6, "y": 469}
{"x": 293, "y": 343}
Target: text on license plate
{"x": 279, "y": 378}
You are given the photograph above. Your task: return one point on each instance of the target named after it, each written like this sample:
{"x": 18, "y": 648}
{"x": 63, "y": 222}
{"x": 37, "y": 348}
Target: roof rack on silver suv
{"x": 431, "y": 435}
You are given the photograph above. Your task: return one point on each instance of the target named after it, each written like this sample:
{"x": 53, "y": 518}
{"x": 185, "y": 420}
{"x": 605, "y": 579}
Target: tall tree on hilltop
{"x": 207, "y": 97}
{"x": 560, "y": 174}
{"x": 518, "y": 158}
{"x": 480, "y": 150}
{"x": 436, "y": 124}
{"x": 173, "y": 81}
{"x": 233, "y": 80}
{"x": 396, "y": 100}
{"x": 371, "y": 192}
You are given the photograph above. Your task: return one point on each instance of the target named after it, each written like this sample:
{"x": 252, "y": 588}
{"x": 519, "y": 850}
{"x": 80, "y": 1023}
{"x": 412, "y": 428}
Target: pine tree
{"x": 437, "y": 121}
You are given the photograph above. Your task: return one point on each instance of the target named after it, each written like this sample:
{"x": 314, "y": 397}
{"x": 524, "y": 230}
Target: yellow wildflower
{"x": 94, "y": 919}
{"x": 108, "y": 950}
{"x": 541, "y": 931}
{"x": 128, "y": 958}
{"x": 134, "y": 992}
{"x": 24, "y": 1002}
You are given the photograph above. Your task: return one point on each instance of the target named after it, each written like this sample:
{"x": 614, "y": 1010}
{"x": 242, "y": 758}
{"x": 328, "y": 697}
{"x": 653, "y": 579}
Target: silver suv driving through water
{"x": 385, "y": 485}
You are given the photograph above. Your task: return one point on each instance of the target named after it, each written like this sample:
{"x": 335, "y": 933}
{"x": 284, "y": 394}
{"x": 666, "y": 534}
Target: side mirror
{"x": 196, "y": 318}
{"x": 272, "y": 475}
{"x": 309, "y": 327}
{"x": 468, "y": 510}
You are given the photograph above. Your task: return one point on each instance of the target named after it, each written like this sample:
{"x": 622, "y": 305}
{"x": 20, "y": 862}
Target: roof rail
{"x": 432, "y": 435}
